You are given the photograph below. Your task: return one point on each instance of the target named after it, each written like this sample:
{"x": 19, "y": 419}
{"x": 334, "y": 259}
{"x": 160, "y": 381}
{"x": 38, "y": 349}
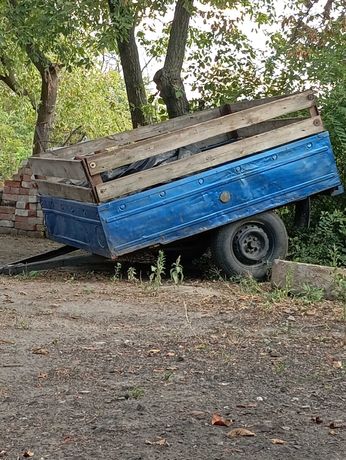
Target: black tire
{"x": 249, "y": 246}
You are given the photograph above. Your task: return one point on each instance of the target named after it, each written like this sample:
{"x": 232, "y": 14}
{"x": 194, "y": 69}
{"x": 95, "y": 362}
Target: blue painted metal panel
{"x": 76, "y": 224}
{"x": 192, "y": 205}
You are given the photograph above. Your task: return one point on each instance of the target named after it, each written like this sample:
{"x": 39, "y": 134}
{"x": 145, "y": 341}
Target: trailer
{"x": 211, "y": 178}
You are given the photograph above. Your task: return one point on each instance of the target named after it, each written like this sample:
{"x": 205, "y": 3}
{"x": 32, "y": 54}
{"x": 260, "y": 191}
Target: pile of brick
{"x": 20, "y": 210}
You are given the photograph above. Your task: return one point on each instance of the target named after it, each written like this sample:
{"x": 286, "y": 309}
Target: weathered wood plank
{"x": 208, "y": 159}
{"x": 68, "y": 169}
{"x": 133, "y": 135}
{"x": 146, "y": 132}
{"x": 71, "y": 192}
{"x": 169, "y": 141}
{"x": 266, "y": 126}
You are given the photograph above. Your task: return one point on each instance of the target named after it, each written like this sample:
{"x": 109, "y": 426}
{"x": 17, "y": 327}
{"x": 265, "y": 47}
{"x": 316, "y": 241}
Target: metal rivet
{"x": 92, "y": 165}
{"x": 317, "y": 122}
{"x": 162, "y": 194}
{"x": 225, "y": 197}
{"x": 122, "y": 207}
{"x": 274, "y": 157}
{"x": 238, "y": 169}
{"x": 200, "y": 181}
{"x": 309, "y": 145}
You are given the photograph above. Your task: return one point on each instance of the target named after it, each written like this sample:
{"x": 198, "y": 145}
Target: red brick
{"x": 6, "y": 216}
{"x": 7, "y": 209}
{"x": 17, "y": 177}
{"x": 33, "y": 206}
{"x": 27, "y": 177}
{"x": 12, "y": 190}
{"x": 12, "y": 183}
{"x": 25, "y": 226}
{"x": 24, "y": 191}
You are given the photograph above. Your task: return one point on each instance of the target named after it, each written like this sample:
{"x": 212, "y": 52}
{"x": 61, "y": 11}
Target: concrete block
{"x": 294, "y": 275}
{"x": 6, "y": 223}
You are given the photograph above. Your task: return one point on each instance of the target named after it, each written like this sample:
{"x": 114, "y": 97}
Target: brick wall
{"x": 20, "y": 210}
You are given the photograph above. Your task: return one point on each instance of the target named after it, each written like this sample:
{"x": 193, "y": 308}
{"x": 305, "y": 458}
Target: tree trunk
{"x": 46, "y": 109}
{"x": 168, "y": 79}
{"x": 129, "y": 58}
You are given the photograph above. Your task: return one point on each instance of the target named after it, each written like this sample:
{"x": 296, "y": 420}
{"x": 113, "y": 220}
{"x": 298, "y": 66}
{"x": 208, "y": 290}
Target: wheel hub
{"x": 252, "y": 243}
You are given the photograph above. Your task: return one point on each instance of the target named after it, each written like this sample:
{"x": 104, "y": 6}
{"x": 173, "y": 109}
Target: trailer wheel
{"x": 249, "y": 246}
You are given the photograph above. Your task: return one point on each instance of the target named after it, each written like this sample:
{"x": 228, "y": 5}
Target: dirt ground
{"x": 92, "y": 368}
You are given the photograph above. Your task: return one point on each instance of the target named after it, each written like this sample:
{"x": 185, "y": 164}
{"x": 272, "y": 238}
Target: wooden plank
{"x": 146, "y": 132}
{"x": 170, "y": 141}
{"x": 71, "y": 192}
{"x": 208, "y": 159}
{"x": 68, "y": 169}
{"x": 267, "y": 126}
{"x": 133, "y": 135}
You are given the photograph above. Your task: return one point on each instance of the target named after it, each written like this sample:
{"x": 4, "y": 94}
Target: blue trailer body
{"x": 197, "y": 203}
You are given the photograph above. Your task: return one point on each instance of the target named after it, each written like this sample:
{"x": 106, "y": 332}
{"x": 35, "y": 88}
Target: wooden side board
{"x": 71, "y": 192}
{"x": 208, "y": 159}
{"x": 146, "y": 132}
{"x": 68, "y": 169}
{"x": 192, "y": 134}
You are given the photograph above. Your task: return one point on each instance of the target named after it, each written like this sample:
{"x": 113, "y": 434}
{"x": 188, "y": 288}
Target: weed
{"x": 311, "y": 294}
{"x": 136, "y": 393}
{"x": 280, "y": 367}
{"x": 117, "y": 272}
{"x": 29, "y": 274}
{"x": 214, "y": 273}
{"x": 158, "y": 270}
{"x": 132, "y": 274}
{"x": 22, "y": 324}
{"x": 248, "y": 284}
{"x": 176, "y": 272}
{"x": 168, "y": 376}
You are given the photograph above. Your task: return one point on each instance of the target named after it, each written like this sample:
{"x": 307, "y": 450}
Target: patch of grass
{"x": 136, "y": 393}
{"x": 311, "y": 294}
{"x": 29, "y": 274}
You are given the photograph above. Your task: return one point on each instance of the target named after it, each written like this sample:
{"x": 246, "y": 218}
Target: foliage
{"x": 176, "y": 271}
{"x": 158, "y": 270}
{"x": 92, "y": 103}
{"x": 324, "y": 243}
{"x": 76, "y": 118}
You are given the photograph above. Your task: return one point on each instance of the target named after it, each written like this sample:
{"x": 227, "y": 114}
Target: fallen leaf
{"x": 337, "y": 364}
{"x": 317, "y": 419}
{"x": 42, "y": 375}
{"x": 220, "y": 421}
{"x": 332, "y": 432}
{"x": 40, "y": 351}
{"x": 237, "y": 432}
{"x": 154, "y": 351}
{"x": 337, "y": 424}
{"x": 28, "y": 453}
{"x": 197, "y": 413}
{"x": 278, "y": 441}
{"x": 158, "y": 442}
{"x": 247, "y": 406}
{"x": 3, "y": 453}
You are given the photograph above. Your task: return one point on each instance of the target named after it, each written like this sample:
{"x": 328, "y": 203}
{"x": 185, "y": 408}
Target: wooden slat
{"x": 68, "y": 169}
{"x": 133, "y": 135}
{"x": 169, "y": 141}
{"x": 267, "y": 126}
{"x": 146, "y": 132}
{"x": 208, "y": 159}
{"x": 71, "y": 192}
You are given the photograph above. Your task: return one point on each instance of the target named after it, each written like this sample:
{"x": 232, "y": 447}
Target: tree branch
{"x": 10, "y": 80}
{"x": 327, "y": 9}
